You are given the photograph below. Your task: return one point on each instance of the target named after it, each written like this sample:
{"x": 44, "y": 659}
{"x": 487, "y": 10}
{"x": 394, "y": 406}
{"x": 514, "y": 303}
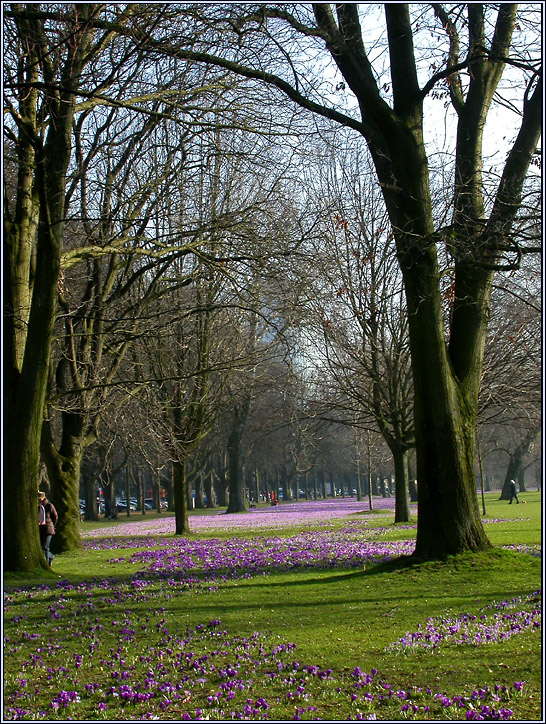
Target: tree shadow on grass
{"x": 198, "y": 581}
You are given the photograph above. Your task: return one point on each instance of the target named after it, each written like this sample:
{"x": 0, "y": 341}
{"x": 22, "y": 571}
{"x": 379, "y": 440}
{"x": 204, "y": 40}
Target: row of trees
{"x": 182, "y": 247}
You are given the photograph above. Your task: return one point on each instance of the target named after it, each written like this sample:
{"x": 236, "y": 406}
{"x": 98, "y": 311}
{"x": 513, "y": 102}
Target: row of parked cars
{"x": 121, "y": 505}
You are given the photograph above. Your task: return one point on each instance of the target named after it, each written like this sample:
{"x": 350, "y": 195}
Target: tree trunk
{"x": 222, "y": 482}
{"x": 209, "y": 490}
{"x": 91, "y": 509}
{"x": 180, "y": 491}
{"x": 199, "y": 492}
{"x": 445, "y": 424}
{"x": 141, "y": 492}
{"x": 257, "y": 485}
{"x": 358, "y": 478}
{"x": 109, "y": 494}
{"x": 30, "y": 309}
{"x": 236, "y": 484}
{"x": 512, "y": 473}
{"x": 168, "y": 484}
{"x": 127, "y": 493}
{"x": 402, "y": 512}
{"x": 22, "y": 550}
{"x": 24, "y": 397}
{"x": 63, "y": 469}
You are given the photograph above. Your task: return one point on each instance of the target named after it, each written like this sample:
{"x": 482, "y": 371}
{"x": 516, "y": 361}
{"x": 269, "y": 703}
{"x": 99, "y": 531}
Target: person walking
{"x": 513, "y": 492}
{"x": 47, "y": 520}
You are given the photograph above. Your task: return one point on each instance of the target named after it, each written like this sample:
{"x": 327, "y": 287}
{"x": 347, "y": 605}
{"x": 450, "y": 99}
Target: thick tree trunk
{"x": 180, "y": 491}
{"x": 21, "y": 548}
{"x": 63, "y": 467}
{"x": 24, "y": 397}
{"x": 30, "y": 311}
{"x": 64, "y": 477}
{"x": 513, "y": 472}
{"x": 445, "y": 422}
{"x": 64, "y": 495}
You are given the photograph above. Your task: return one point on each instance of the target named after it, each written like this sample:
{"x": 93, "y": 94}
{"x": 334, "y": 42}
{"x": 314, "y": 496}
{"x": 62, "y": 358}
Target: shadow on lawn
{"x": 430, "y": 579}
{"x": 198, "y": 580}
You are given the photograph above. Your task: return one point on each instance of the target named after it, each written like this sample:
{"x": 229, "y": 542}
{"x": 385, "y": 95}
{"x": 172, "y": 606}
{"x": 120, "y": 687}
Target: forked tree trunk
{"x": 446, "y": 383}
{"x": 449, "y": 520}
{"x": 30, "y": 309}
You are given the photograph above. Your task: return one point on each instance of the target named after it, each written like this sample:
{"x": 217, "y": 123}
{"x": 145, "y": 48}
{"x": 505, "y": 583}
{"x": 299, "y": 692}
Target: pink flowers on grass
{"x": 301, "y": 514}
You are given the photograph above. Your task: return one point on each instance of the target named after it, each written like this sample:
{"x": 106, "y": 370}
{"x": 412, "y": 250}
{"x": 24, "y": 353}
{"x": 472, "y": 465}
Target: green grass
{"x": 338, "y": 619}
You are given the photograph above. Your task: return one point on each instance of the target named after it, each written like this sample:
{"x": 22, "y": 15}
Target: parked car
{"x": 121, "y": 505}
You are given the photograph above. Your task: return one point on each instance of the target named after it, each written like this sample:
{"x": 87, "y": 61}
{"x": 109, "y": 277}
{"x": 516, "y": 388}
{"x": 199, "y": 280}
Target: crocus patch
{"x": 206, "y": 673}
{"x": 108, "y": 649}
{"x": 493, "y": 624}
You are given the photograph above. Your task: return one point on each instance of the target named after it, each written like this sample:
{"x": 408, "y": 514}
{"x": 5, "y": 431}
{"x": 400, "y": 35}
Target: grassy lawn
{"x": 262, "y": 627}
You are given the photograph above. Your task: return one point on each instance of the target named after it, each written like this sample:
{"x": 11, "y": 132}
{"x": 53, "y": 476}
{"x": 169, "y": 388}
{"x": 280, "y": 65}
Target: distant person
{"x": 47, "y": 527}
{"x": 513, "y": 492}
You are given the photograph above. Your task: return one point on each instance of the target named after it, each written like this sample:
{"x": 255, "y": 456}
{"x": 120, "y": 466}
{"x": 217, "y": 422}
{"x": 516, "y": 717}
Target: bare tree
{"x": 510, "y": 399}
{"x": 358, "y": 311}
{"x": 475, "y": 49}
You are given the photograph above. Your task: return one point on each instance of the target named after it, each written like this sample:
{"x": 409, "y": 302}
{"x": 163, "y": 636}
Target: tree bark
{"x": 64, "y": 476}
{"x": 236, "y": 502}
{"x": 180, "y": 492}
{"x": 209, "y": 490}
{"x": 402, "y": 513}
{"x": 448, "y": 520}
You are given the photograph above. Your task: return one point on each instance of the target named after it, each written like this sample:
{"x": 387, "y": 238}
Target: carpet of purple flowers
{"x": 110, "y": 649}
{"x": 153, "y": 673}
